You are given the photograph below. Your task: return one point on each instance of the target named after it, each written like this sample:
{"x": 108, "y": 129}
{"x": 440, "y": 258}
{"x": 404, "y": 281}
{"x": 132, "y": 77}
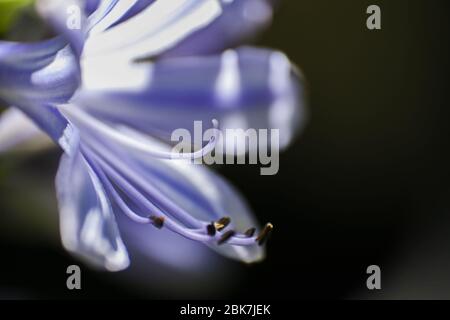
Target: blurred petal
{"x": 88, "y": 226}
{"x": 37, "y": 72}
{"x": 33, "y": 77}
{"x": 17, "y": 131}
{"x": 137, "y": 7}
{"x": 112, "y": 13}
{"x": 166, "y": 23}
{"x": 244, "y": 88}
{"x": 68, "y": 18}
{"x": 90, "y": 6}
{"x": 239, "y": 20}
{"x": 27, "y": 53}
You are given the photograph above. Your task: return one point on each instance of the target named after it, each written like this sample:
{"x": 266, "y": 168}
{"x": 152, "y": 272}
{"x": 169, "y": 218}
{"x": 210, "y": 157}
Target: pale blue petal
{"x": 158, "y": 27}
{"x": 240, "y": 20}
{"x": 35, "y": 76}
{"x": 111, "y": 13}
{"x": 90, "y": 6}
{"x": 68, "y": 19}
{"x": 136, "y": 8}
{"x": 88, "y": 226}
{"x": 39, "y": 72}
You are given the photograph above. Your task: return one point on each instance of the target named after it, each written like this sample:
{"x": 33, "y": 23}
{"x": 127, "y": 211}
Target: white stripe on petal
{"x": 159, "y": 27}
{"x": 228, "y": 84}
{"x": 108, "y": 73}
{"x": 279, "y": 72}
{"x": 113, "y": 16}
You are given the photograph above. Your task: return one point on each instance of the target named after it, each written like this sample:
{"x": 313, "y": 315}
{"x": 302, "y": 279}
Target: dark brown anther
{"x": 211, "y": 229}
{"x": 222, "y": 223}
{"x": 250, "y": 232}
{"x": 226, "y": 236}
{"x": 264, "y": 234}
{"x": 158, "y": 222}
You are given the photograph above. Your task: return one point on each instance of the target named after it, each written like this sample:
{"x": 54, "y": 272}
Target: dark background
{"x": 367, "y": 182}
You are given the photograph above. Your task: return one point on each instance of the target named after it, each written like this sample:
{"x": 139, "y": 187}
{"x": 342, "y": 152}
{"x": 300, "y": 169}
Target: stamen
{"x": 124, "y": 171}
{"x": 211, "y": 229}
{"x": 226, "y": 236}
{"x": 231, "y": 237}
{"x": 222, "y": 223}
{"x": 140, "y": 199}
{"x": 264, "y": 234}
{"x": 250, "y": 232}
{"x": 86, "y": 120}
{"x": 158, "y": 222}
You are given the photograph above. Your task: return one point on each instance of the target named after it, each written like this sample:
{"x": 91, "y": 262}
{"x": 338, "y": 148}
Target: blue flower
{"x": 109, "y": 92}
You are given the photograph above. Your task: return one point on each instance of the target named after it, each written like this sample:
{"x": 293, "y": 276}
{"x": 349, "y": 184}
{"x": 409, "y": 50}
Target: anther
{"x": 211, "y": 229}
{"x": 250, "y": 232}
{"x": 158, "y": 222}
{"x": 222, "y": 223}
{"x": 226, "y": 236}
{"x": 264, "y": 234}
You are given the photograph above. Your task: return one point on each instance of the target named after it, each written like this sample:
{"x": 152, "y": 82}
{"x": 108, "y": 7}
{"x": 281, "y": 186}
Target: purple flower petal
{"x": 88, "y": 226}
{"x": 68, "y": 18}
{"x": 44, "y": 71}
{"x": 137, "y": 7}
{"x": 90, "y": 6}
{"x": 240, "y": 20}
{"x": 158, "y": 27}
{"x": 33, "y": 77}
{"x": 244, "y": 88}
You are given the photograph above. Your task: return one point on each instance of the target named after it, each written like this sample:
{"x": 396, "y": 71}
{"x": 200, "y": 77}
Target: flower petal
{"x": 112, "y": 13}
{"x": 68, "y": 18}
{"x": 88, "y": 226}
{"x": 90, "y": 6}
{"x": 17, "y": 131}
{"x": 244, "y": 88}
{"x": 33, "y": 77}
{"x": 240, "y": 19}
{"x": 18, "y": 53}
{"x": 37, "y": 72}
{"x": 137, "y": 7}
{"x": 166, "y": 23}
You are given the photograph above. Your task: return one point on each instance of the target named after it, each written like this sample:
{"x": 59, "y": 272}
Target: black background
{"x": 367, "y": 182}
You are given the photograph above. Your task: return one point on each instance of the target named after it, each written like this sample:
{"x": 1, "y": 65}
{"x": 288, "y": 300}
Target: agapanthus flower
{"x": 111, "y": 92}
